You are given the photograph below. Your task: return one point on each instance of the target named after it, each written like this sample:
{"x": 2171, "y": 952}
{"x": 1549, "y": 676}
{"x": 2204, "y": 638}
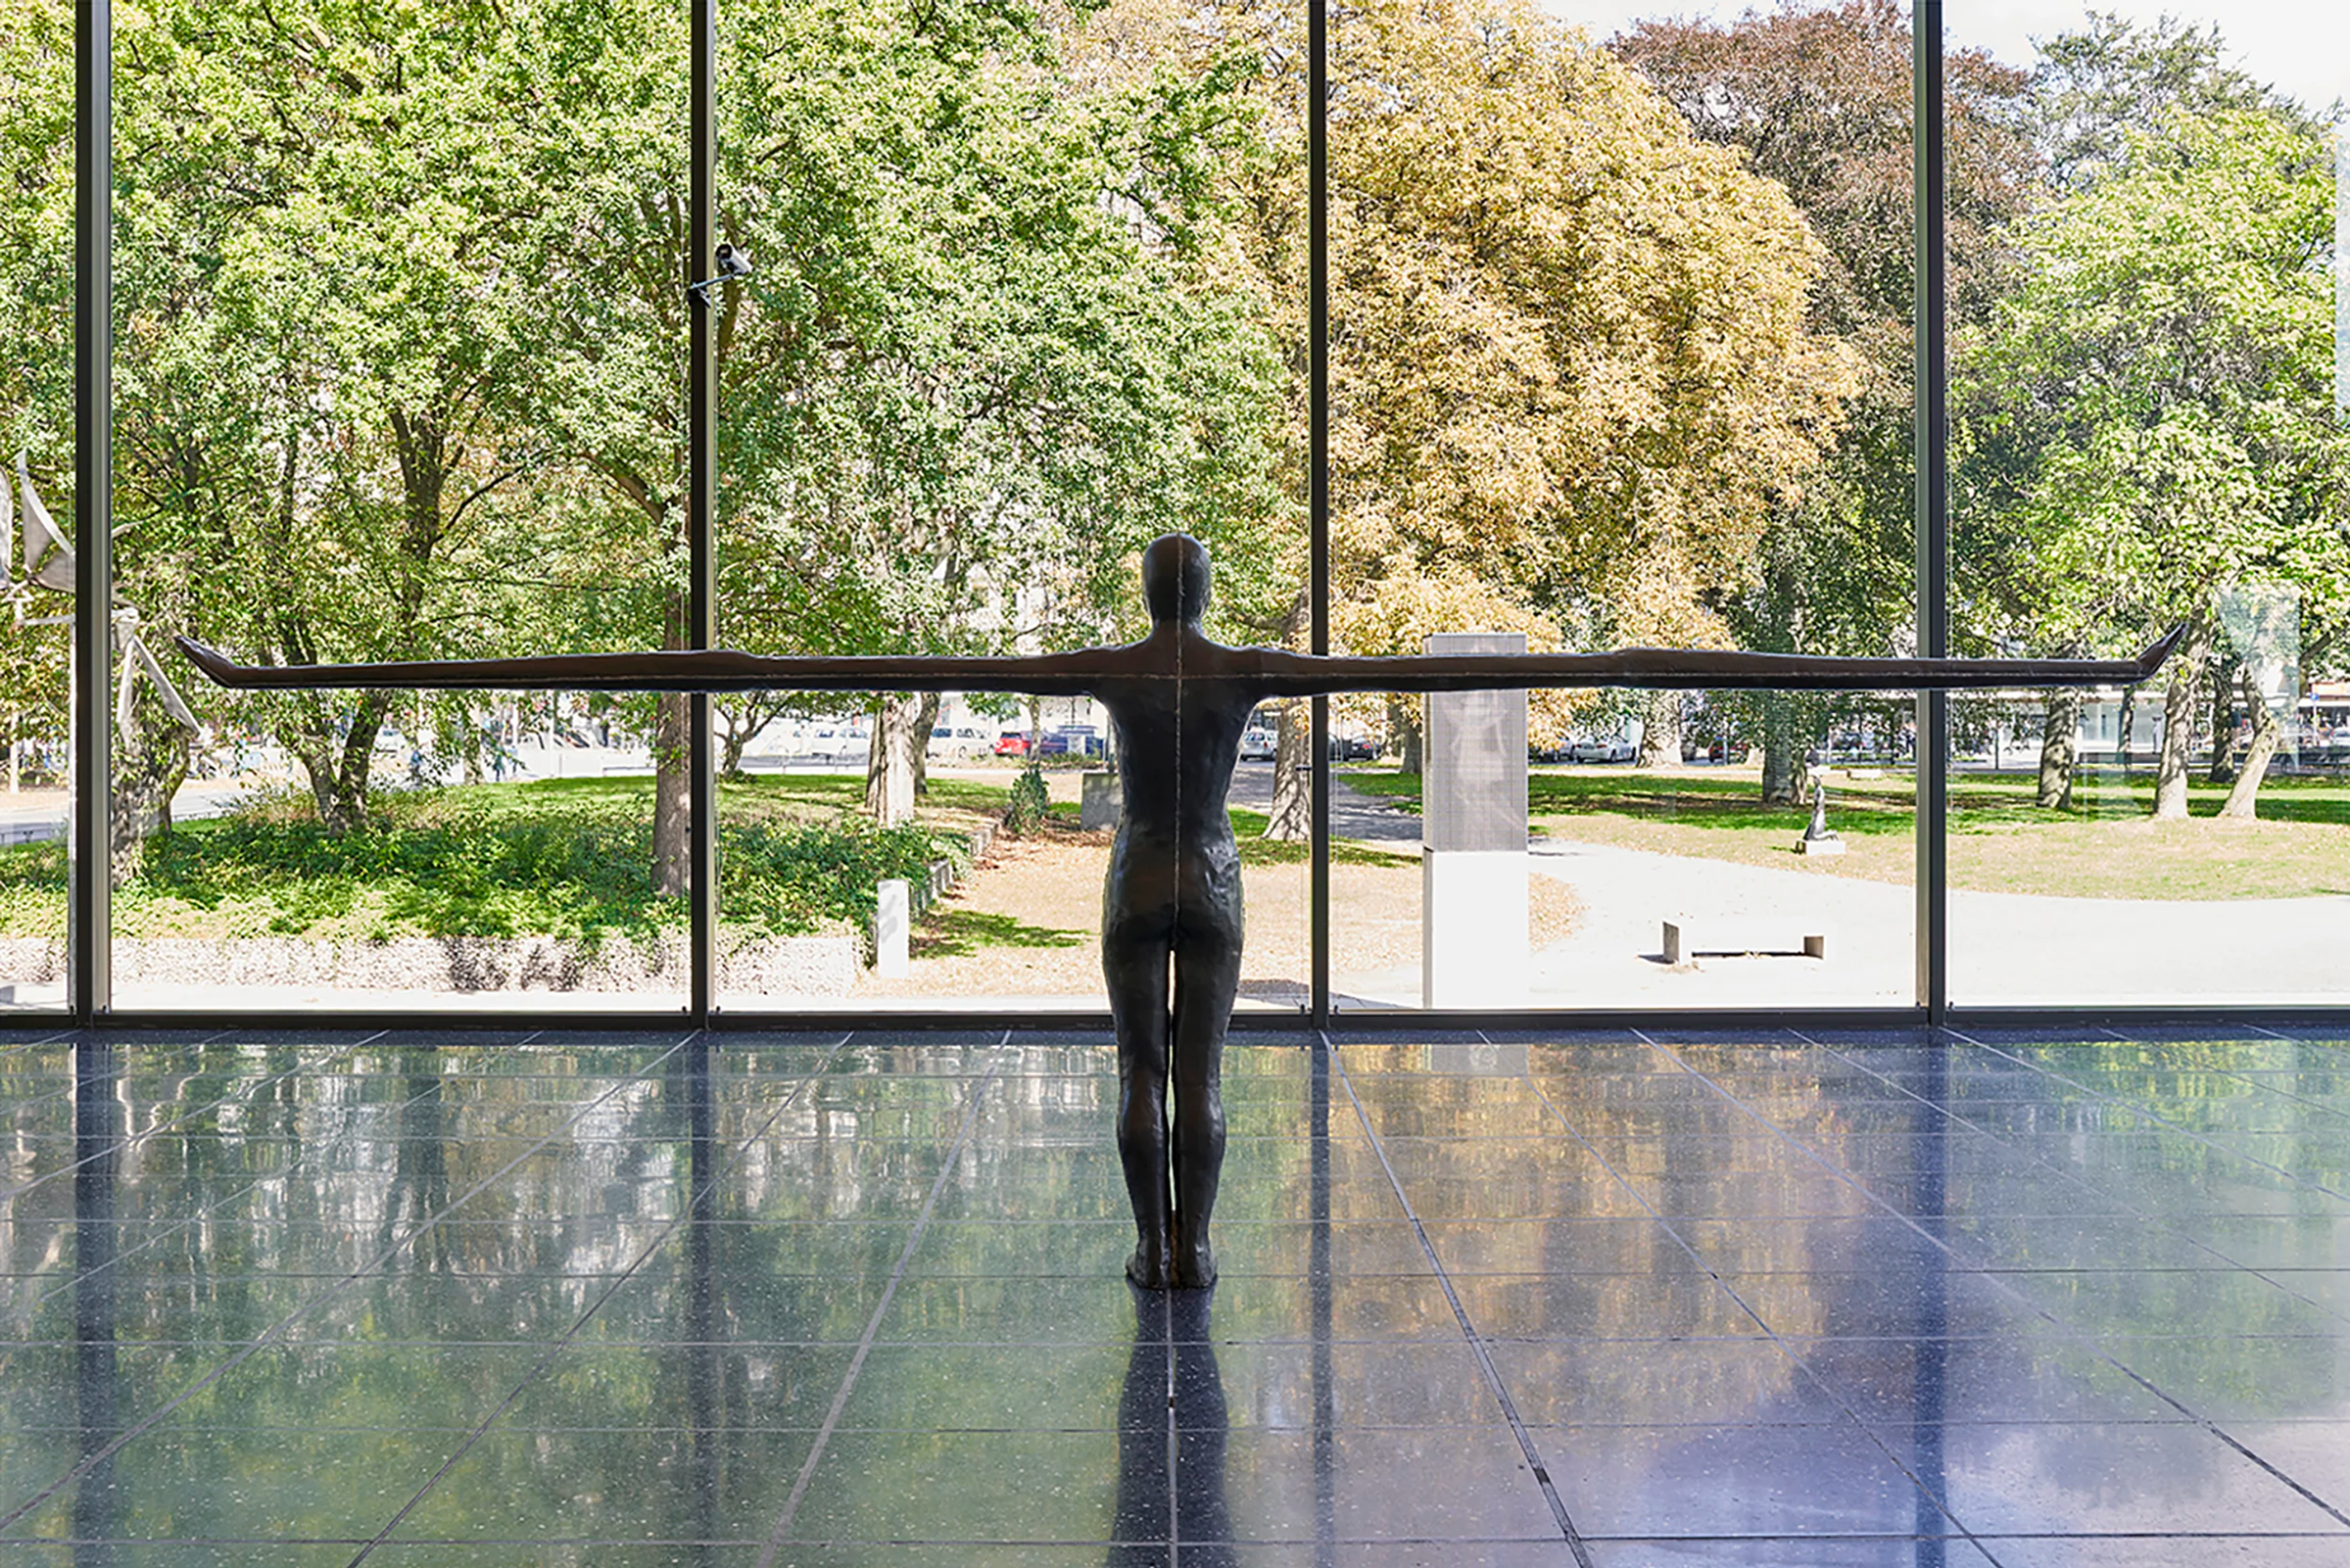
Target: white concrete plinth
{"x": 1100, "y": 801}
{"x": 893, "y": 931}
{"x": 1830, "y": 845}
{"x": 1472, "y": 938}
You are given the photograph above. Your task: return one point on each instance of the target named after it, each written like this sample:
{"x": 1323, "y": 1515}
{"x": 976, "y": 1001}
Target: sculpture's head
{"x": 1175, "y": 579}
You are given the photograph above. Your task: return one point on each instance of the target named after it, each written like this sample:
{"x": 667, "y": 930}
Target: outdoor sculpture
{"x": 50, "y": 565}
{"x": 1179, "y": 702}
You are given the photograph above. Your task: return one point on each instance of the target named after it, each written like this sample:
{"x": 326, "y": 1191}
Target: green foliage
{"x": 402, "y": 348}
{"x": 33, "y": 890}
{"x": 782, "y": 880}
{"x": 2114, "y": 79}
{"x": 559, "y": 859}
{"x": 2160, "y": 387}
{"x": 1030, "y": 806}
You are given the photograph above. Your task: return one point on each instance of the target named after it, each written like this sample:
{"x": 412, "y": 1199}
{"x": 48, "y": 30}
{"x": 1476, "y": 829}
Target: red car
{"x": 1011, "y": 744}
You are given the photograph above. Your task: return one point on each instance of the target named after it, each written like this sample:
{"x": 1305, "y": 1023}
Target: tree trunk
{"x": 1404, "y": 722}
{"x": 2223, "y": 729}
{"x": 338, "y": 775}
{"x": 732, "y": 739}
{"x": 889, "y": 759}
{"x": 147, "y": 773}
{"x": 924, "y": 723}
{"x": 1660, "y": 739}
{"x": 673, "y": 793}
{"x": 1783, "y": 774}
{"x": 1292, "y": 817}
{"x": 2178, "y": 704}
{"x": 2268, "y": 730}
{"x": 2060, "y": 738}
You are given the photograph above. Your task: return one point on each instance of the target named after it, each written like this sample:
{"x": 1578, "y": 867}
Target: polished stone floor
{"x": 1617, "y": 1300}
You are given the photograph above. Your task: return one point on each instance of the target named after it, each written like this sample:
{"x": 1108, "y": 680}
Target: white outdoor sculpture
{"x": 50, "y": 565}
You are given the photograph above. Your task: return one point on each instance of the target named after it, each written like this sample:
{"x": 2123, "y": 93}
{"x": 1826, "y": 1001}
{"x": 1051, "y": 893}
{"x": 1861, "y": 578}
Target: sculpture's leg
{"x": 1207, "y": 978}
{"x": 1136, "y": 975}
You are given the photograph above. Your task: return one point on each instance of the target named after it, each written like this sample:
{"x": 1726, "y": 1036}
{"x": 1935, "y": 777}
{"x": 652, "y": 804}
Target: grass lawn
{"x": 2110, "y": 847}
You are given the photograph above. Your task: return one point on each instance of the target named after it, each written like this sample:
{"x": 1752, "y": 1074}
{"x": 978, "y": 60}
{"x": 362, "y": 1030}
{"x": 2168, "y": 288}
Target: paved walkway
{"x": 2006, "y": 949}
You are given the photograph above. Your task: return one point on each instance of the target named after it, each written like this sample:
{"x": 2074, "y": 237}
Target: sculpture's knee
{"x": 1200, "y": 1117}
{"x": 1142, "y": 1116}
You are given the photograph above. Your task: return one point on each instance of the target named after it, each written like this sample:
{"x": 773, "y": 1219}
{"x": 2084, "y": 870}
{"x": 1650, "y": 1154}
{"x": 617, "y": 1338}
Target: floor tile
{"x": 2158, "y": 1478}
{"x": 1822, "y": 1478}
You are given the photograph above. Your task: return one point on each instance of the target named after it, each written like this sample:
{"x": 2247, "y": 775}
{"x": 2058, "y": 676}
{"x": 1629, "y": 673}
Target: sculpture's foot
{"x": 1195, "y": 1266}
{"x": 1149, "y": 1266}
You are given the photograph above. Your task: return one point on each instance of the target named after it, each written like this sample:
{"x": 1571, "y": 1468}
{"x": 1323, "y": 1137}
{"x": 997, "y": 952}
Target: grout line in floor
{"x": 1477, "y": 1347}
{"x": 976, "y": 1094}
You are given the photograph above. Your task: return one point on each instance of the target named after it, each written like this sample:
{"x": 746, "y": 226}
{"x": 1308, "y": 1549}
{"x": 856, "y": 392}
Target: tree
{"x": 1570, "y": 361}
{"x": 1820, "y": 98}
{"x": 326, "y": 297}
{"x": 986, "y": 356}
{"x": 2095, "y": 88}
{"x": 2167, "y": 365}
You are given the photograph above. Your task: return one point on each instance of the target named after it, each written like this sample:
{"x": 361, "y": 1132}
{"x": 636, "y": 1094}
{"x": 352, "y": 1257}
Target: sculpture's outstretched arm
{"x": 1302, "y": 675}
{"x": 716, "y": 670}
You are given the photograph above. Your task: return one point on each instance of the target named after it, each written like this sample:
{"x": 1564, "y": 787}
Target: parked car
{"x": 840, "y": 744}
{"x": 1260, "y": 746}
{"x": 1352, "y": 749}
{"x": 1011, "y": 744}
{"x": 956, "y": 741}
{"x": 1713, "y": 749}
{"x": 1602, "y": 749}
{"x": 1073, "y": 741}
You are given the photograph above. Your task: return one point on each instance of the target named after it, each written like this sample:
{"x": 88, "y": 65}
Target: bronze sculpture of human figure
{"x": 1172, "y": 926}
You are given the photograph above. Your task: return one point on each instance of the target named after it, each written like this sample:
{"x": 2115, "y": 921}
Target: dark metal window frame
{"x": 89, "y": 988}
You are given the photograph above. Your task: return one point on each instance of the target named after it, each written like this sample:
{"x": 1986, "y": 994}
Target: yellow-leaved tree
{"x": 1571, "y": 364}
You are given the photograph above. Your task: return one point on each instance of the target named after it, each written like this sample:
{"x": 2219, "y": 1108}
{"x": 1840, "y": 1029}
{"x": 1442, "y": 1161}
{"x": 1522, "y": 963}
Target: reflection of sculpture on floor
{"x": 1172, "y": 1426}
{"x": 1179, "y": 702}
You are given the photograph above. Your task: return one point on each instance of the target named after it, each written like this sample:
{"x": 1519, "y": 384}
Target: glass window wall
{"x": 1620, "y": 352}
{"x": 1010, "y": 321}
{"x": 1659, "y": 395}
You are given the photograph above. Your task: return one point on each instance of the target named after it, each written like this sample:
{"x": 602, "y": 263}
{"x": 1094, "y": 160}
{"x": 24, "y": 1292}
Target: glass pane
{"x": 1645, "y": 884}
{"x": 36, "y": 418}
{"x": 1011, "y": 322}
{"x": 2148, "y": 431}
{"x": 1557, "y": 418}
{"x": 401, "y": 377}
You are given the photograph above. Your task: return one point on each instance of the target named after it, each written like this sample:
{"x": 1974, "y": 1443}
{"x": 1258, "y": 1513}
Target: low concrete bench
{"x": 1687, "y": 937}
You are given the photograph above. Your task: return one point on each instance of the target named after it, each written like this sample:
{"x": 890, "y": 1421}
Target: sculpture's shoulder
{"x": 1244, "y": 664}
